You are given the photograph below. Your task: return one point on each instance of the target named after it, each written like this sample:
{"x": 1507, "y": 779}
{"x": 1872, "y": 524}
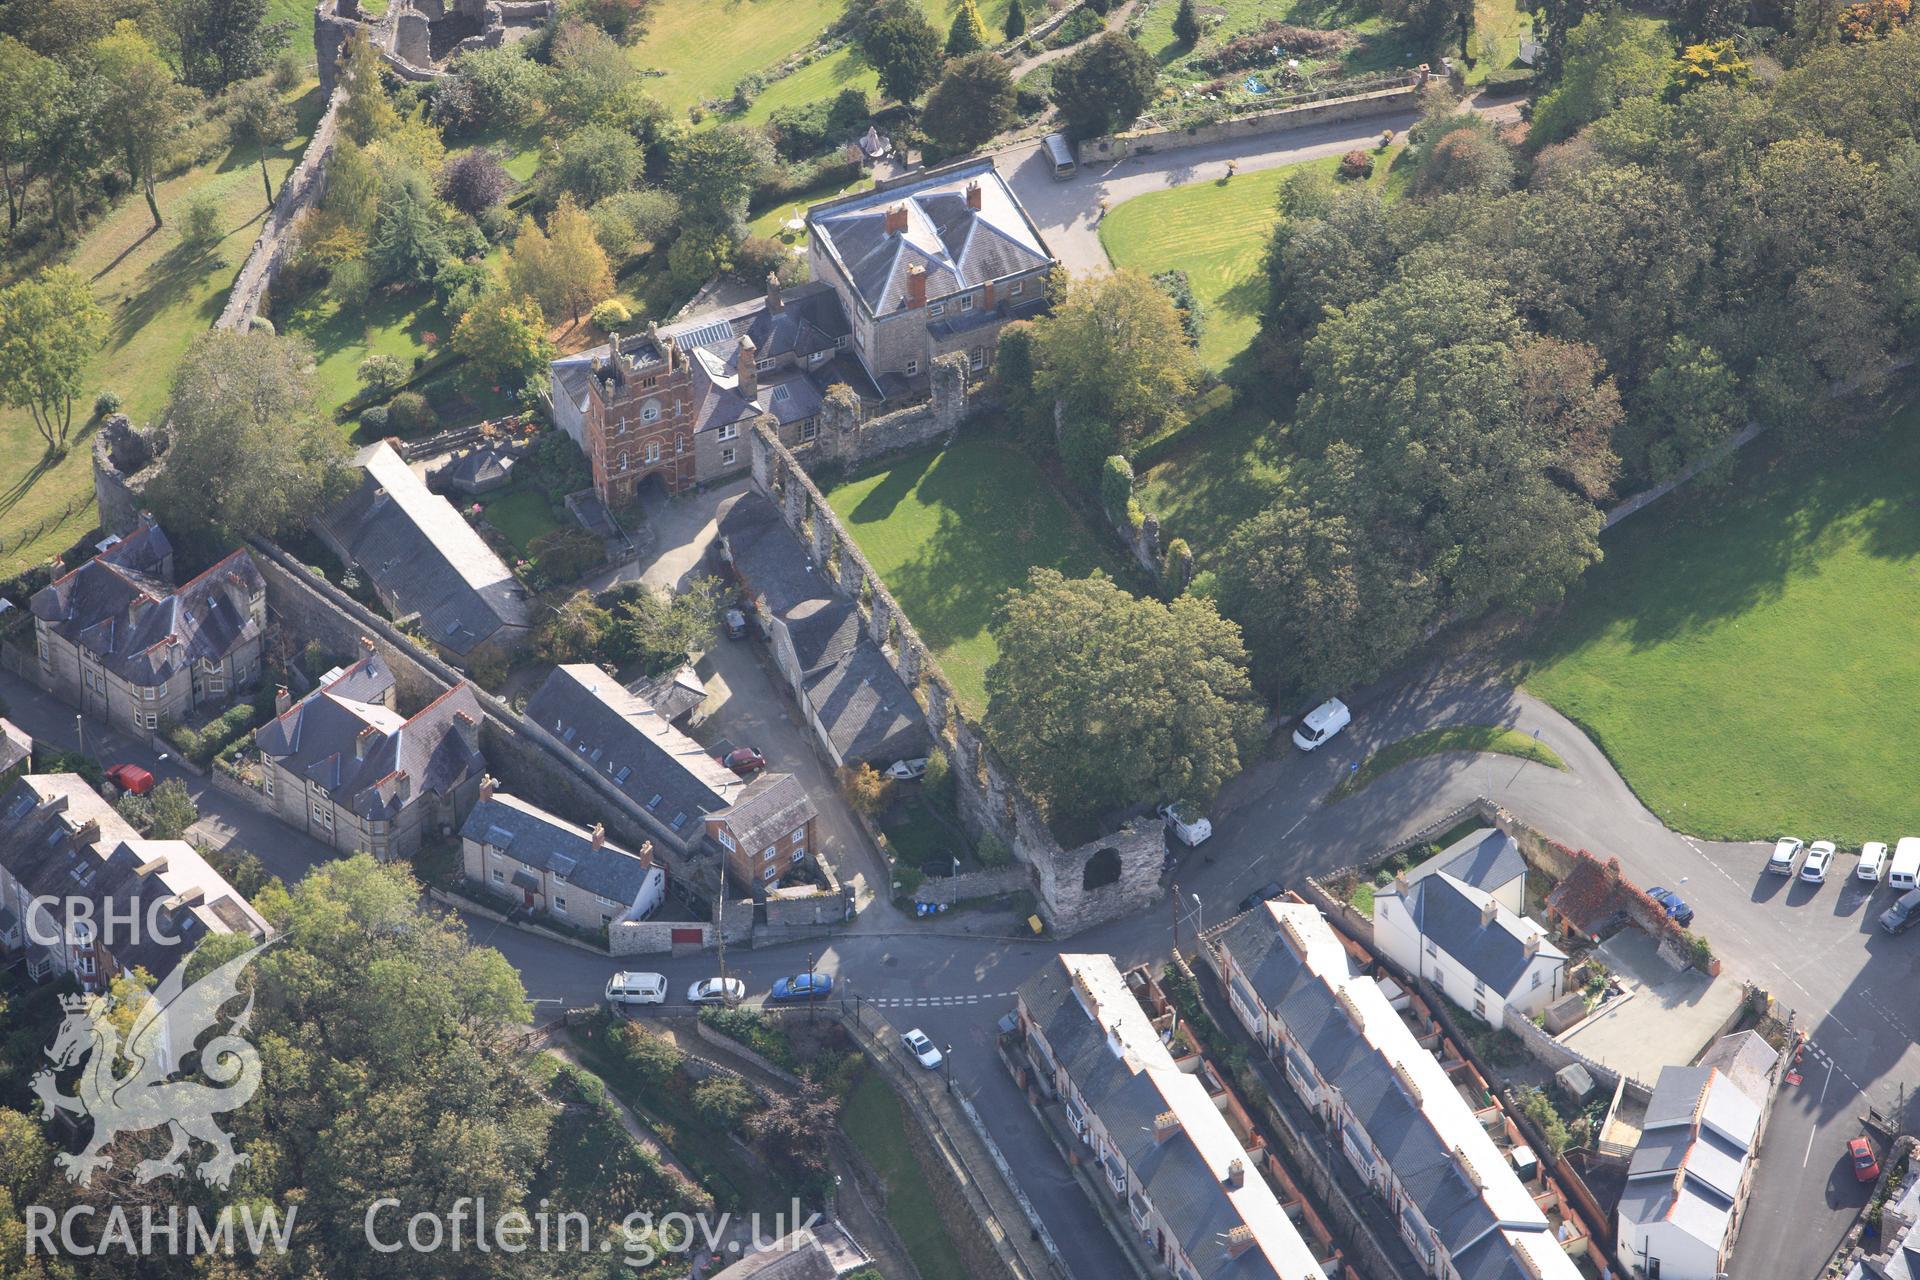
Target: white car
{"x": 637, "y": 988}
{"x": 1785, "y": 850}
{"x": 1188, "y": 827}
{"x": 1873, "y": 860}
{"x": 1322, "y": 723}
{"x": 922, "y": 1049}
{"x": 1819, "y": 858}
{"x": 717, "y": 991}
{"x": 908, "y": 770}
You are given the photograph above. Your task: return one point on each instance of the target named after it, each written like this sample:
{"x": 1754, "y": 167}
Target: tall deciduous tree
{"x": 253, "y": 453}
{"x": 30, "y": 87}
{"x": 259, "y": 118}
{"x": 50, "y": 327}
{"x": 1100, "y": 698}
{"x": 968, "y": 33}
{"x": 563, "y": 268}
{"x": 502, "y": 335}
{"x": 367, "y": 113}
{"x": 1113, "y": 353}
{"x": 1610, "y": 57}
{"x": 973, "y": 101}
{"x": 715, "y": 171}
{"x": 1105, "y": 85}
{"x": 221, "y": 42}
{"x": 900, "y": 44}
{"x": 144, "y": 110}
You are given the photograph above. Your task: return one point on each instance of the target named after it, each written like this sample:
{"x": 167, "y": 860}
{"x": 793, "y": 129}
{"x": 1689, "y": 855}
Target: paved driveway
{"x": 1068, "y": 213}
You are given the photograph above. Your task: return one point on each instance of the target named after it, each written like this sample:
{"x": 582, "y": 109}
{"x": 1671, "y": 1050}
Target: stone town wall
{"x": 846, "y": 440}
{"x": 300, "y": 191}
{"x": 1403, "y": 95}
{"x": 1077, "y": 888}
{"x": 947, "y": 890}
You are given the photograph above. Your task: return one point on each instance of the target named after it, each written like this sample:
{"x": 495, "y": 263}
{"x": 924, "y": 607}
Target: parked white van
{"x": 1873, "y": 862}
{"x": 637, "y": 988}
{"x": 1321, "y": 723}
{"x": 1904, "y": 871}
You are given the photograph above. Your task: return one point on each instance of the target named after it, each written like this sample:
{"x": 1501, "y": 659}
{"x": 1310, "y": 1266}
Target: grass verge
{"x": 874, "y": 1121}
{"x": 1486, "y": 738}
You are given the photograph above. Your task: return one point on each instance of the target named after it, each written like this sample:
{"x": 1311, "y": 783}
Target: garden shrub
{"x": 409, "y": 413}
{"x": 373, "y": 421}
{"x": 1080, "y": 24}
{"x": 753, "y": 1030}
{"x": 1356, "y": 164}
{"x": 608, "y": 315}
{"x": 105, "y": 403}
{"x": 1176, "y": 285}
{"x": 992, "y": 851}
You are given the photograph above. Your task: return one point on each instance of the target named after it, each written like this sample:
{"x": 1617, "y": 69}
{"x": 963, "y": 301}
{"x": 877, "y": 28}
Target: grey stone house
{"x": 346, "y": 768}
{"x": 519, "y": 850}
{"x": 118, "y": 641}
{"x": 935, "y": 262}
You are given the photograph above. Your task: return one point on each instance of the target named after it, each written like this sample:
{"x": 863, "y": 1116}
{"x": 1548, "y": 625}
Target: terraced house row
{"x": 1400, "y": 1119}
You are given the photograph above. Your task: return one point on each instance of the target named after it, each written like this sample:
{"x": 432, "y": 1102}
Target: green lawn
{"x": 1748, "y": 662}
{"x": 951, "y": 532}
{"x": 524, "y": 515}
{"x": 1217, "y": 233}
{"x": 392, "y": 322}
{"x": 159, "y": 296}
{"x": 1384, "y": 47}
{"x": 1498, "y": 28}
{"x": 1229, "y": 465}
{"x": 1488, "y": 738}
{"x": 872, "y": 1118}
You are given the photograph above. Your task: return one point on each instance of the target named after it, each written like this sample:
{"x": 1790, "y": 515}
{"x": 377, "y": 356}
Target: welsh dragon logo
{"x": 164, "y": 1030}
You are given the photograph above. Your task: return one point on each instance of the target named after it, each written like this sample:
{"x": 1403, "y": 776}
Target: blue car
{"x": 802, "y": 986}
{"x": 1675, "y": 905}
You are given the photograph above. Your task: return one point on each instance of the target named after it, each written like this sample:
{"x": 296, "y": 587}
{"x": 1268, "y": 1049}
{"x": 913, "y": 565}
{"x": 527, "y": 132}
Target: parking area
{"x": 1664, "y": 1016}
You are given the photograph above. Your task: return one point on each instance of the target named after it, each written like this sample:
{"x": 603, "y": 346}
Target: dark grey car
{"x": 1902, "y": 915}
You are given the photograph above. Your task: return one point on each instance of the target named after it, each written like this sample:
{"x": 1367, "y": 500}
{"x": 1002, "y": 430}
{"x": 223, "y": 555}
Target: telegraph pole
{"x": 1176, "y": 917}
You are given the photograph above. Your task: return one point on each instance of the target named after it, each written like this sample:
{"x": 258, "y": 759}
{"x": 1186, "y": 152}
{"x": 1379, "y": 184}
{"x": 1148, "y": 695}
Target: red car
{"x": 744, "y": 761}
{"x": 1865, "y": 1167}
{"x": 130, "y": 778}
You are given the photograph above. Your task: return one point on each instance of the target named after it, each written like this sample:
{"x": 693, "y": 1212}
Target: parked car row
{"x": 651, "y": 988}
{"x": 1901, "y": 871}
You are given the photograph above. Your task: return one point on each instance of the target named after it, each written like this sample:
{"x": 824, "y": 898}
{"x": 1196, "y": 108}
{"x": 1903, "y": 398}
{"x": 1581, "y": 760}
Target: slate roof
{"x": 424, "y": 557}
{"x": 664, "y": 771}
{"x": 770, "y": 806}
{"x": 369, "y": 759}
{"x": 59, "y": 838}
{"x": 674, "y": 694}
{"x": 536, "y": 838}
{"x": 16, "y": 744}
{"x": 478, "y": 470}
{"x": 1471, "y": 1199}
{"x": 1694, "y": 1146}
{"x": 866, "y": 708}
{"x": 1901, "y": 1261}
{"x": 958, "y": 247}
{"x": 367, "y": 680}
{"x": 1486, "y": 860}
{"x": 795, "y": 1257}
{"x": 1451, "y": 915}
{"x": 1744, "y": 1058}
{"x": 1123, "y": 1071}
{"x": 141, "y": 628}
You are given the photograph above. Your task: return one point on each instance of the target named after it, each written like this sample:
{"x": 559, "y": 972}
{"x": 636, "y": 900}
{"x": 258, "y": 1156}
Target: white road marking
{"x": 1810, "y": 1134}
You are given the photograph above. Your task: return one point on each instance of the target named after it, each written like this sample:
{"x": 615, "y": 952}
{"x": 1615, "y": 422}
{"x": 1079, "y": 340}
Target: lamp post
{"x": 1199, "y": 918}
{"x": 946, "y": 1061}
{"x": 1176, "y": 916}
{"x": 79, "y": 733}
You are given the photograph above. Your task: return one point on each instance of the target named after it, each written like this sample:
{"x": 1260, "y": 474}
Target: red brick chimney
{"x": 774, "y": 301}
{"x": 916, "y": 285}
{"x": 986, "y": 297}
{"x": 973, "y": 195}
{"x": 896, "y": 219}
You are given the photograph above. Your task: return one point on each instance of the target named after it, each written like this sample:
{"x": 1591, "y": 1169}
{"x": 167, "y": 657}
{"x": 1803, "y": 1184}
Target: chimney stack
{"x": 1239, "y": 1240}
{"x": 973, "y": 196}
{"x": 599, "y": 835}
{"x": 360, "y": 742}
{"x": 487, "y": 786}
{"x": 646, "y": 857}
{"x": 1236, "y": 1173}
{"x": 1165, "y": 1125}
{"x": 774, "y": 301}
{"x": 282, "y": 700}
{"x": 366, "y": 645}
{"x": 916, "y": 285}
{"x": 896, "y": 219}
{"x": 744, "y": 366}
{"x": 1488, "y": 910}
{"x": 1533, "y": 944}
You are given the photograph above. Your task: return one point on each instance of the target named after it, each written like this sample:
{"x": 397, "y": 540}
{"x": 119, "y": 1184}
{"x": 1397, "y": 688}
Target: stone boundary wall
{"x": 461, "y": 902}
{"x": 1113, "y": 148}
{"x": 1553, "y": 1055}
{"x": 947, "y": 890}
{"x": 299, "y": 191}
{"x": 655, "y": 937}
{"x": 989, "y": 797}
{"x": 844, "y": 439}
{"x": 741, "y": 1051}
